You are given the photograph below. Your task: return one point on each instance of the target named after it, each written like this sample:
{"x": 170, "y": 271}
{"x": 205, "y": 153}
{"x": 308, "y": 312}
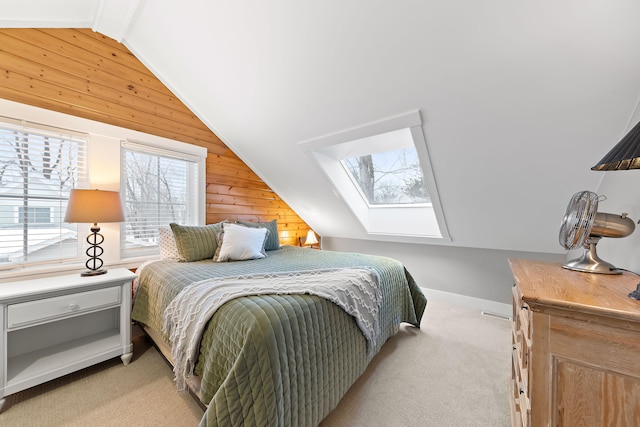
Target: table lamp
{"x": 311, "y": 239}
{"x": 94, "y": 206}
{"x": 624, "y": 156}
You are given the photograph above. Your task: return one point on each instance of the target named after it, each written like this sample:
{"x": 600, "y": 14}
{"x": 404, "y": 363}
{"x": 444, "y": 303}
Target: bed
{"x": 276, "y": 359}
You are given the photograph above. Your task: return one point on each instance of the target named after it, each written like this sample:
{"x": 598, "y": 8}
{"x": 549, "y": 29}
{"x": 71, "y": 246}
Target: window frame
{"x": 55, "y": 205}
{"x": 197, "y": 157}
{"x": 423, "y": 221}
{"x": 102, "y": 172}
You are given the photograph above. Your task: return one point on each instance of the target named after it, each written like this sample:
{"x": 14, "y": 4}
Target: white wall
{"x": 471, "y": 272}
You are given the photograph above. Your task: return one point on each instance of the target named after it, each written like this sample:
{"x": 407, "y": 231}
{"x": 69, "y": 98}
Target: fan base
{"x": 590, "y": 262}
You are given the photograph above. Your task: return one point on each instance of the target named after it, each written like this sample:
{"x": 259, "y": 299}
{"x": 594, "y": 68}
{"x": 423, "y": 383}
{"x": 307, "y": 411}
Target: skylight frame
{"x": 390, "y": 222}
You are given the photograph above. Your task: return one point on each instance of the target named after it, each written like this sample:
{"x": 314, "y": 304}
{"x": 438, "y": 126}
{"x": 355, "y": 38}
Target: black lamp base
{"x": 94, "y": 251}
{"x": 93, "y": 272}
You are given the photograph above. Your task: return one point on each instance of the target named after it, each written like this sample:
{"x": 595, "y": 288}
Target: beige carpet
{"x": 452, "y": 372}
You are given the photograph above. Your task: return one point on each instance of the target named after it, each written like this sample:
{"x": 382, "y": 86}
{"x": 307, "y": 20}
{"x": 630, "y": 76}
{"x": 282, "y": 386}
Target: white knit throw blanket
{"x": 355, "y": 290}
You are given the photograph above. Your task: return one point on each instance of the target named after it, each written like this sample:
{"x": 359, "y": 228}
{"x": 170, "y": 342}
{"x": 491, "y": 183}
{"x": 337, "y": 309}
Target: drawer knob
{"x": 74, "y": 307}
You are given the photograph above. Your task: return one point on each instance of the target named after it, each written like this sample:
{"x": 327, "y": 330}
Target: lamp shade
{"x": 311, "y": 238}
{"x": 625, "y": 155}
{"x": 94, "y": 206}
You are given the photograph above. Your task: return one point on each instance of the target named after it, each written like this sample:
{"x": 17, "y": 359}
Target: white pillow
{"x": 167, "y": 244}
{"x": 238, "y": 242}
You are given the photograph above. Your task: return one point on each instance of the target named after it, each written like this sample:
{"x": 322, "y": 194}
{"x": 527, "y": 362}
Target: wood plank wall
{"x": 86, "y": 74}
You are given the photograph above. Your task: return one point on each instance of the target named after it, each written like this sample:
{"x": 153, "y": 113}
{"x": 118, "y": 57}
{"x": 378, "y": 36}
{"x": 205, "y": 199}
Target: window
{"x": 388, "y": 178}
{"x": 38, "y": 168}
{"x": 382, "y": 171}
{"x": 158, "y": 186}
{"x": 33, "y": 215}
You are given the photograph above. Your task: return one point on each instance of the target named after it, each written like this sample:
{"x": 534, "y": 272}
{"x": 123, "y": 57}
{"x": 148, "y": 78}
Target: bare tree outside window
{"x": 389, "y": 178}
{"x": 157, "y": 190}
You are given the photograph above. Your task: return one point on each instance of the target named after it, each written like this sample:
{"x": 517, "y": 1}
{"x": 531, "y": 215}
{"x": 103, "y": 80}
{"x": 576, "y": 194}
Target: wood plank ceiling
{"x": 86, "y": 74}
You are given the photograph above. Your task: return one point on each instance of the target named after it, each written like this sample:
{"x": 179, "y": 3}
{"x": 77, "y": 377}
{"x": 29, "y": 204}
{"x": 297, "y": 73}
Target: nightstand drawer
{"x": 50, "y": 308}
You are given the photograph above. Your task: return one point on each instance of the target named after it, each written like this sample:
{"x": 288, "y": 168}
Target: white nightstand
{"x": 53, "y": 326}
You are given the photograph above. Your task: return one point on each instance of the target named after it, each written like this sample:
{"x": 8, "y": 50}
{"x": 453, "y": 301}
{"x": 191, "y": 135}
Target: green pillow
{"x": 273, "y": 240}
{"x": 196, "y": 242}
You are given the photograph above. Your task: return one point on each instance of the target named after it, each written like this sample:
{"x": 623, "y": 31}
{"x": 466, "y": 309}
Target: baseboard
{"x": 486, "y": 306}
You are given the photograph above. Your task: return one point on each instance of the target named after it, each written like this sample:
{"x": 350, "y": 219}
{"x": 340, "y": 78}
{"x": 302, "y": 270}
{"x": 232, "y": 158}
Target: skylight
{"x": 382, "y": 171}
{"x": 388, "y": 178}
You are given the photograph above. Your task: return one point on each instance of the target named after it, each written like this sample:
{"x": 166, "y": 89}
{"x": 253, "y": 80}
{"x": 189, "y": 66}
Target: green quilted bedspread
{"x": 279, "y": 360}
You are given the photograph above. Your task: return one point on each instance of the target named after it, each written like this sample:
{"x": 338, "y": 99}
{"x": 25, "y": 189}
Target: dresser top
{"x": 546, "y": 285}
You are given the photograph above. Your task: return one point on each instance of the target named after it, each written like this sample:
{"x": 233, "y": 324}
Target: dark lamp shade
{"x": 625, "y": 155}
{"x": 94, "y": 206}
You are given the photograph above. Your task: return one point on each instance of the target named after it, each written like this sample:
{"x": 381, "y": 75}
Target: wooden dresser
{"x": 576, "y": 347}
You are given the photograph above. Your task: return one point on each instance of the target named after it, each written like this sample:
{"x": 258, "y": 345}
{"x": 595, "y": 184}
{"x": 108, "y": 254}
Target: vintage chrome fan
{"x": 584, "y": 226}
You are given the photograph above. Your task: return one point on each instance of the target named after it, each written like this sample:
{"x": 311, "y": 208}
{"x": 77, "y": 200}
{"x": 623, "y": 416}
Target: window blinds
{"x": 38, "y": 168}
{"x": 159, "y": 186}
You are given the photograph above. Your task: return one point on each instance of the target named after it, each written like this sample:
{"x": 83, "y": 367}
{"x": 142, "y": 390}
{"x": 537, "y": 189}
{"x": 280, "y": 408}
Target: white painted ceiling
{"x": 518, "y": 98}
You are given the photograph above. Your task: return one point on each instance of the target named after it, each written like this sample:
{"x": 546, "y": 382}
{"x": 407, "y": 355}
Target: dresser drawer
{"x": 62, "y": 306}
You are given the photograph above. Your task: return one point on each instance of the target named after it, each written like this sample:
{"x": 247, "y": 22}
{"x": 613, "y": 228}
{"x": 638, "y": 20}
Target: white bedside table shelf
{"x": 53, "y": 326}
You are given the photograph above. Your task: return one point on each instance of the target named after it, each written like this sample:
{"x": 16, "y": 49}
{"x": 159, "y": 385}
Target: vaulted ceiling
{"x": 518, "y": 99}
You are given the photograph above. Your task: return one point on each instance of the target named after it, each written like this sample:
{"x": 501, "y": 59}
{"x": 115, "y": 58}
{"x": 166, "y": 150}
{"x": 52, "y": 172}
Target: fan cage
{"x": 578, "y": 219}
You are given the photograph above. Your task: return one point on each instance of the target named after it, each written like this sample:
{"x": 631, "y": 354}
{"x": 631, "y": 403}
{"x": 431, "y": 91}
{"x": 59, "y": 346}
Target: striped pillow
{"x": 196, "y": 242}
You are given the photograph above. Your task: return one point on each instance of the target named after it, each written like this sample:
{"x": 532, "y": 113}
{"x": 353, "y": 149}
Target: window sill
{"x": 57, "y": 270}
